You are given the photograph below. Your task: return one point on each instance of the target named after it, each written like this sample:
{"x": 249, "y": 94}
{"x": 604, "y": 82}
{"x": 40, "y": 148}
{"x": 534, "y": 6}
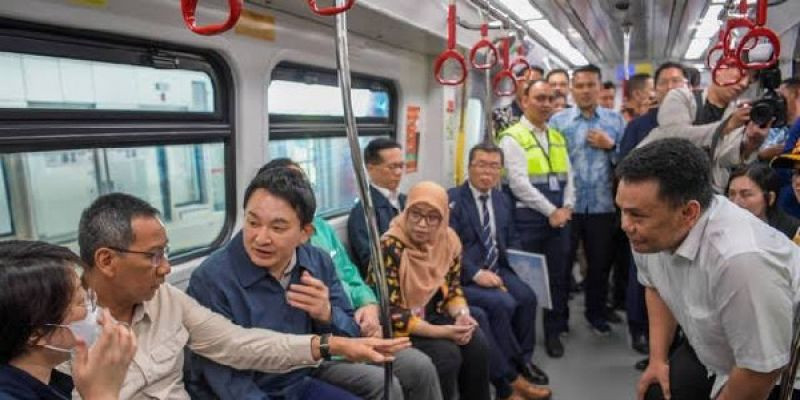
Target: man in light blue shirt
{"x": 592, "y": 134}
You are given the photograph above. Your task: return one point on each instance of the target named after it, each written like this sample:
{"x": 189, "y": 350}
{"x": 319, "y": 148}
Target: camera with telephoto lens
{"x": 772, "y": 105}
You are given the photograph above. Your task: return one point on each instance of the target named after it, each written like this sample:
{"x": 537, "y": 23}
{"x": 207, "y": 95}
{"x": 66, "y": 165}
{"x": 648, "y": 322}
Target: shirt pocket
{"x": 166, "y": 356}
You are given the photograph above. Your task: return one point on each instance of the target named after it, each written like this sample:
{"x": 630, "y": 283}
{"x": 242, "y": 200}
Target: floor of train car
{"x": 593, "y": 367}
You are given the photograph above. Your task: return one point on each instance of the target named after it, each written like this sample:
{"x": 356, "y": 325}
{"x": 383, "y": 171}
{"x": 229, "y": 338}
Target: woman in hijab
{"x": 422, "y": 256}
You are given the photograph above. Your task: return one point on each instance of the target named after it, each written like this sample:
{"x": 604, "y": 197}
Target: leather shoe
{"x": 641, "y": 365}
{"x": 612, "y": 317}
{"x": 554, "y": 347}
{"x": 529, "y": 390}
{"x": 640, "y": 344}
{"x": 534, "y": 374}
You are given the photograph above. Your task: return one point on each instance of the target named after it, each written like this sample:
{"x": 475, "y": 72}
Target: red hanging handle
{"x": 189, "y": 7}
{"x": 520, "y": 60}
{"x": 759, "y": 33}
{"x": 718, "y": 48}
{"x": 491, "y": 52}
{"x": 450, "y": 53}
{"x": 504, "y": 73}
{"x": 330, "y": 11}
{"x": 726, "y": 63}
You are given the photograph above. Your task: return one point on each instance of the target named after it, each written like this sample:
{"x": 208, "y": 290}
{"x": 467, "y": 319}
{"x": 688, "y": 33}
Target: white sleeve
{"x": 569, "y": 190}
{"x": 517, "y": 167}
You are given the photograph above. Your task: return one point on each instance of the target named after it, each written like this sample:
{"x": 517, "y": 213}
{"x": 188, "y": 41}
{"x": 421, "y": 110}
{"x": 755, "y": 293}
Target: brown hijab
{"x": 423, "y": 267}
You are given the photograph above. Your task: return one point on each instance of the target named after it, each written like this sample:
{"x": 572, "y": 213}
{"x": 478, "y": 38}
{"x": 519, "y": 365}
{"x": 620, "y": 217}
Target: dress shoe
{"x": 530, "y": 391}
{"x": 534, "y": 374}
{"x": 640, "y": 344}
{"x": 641, "y": 365}
{"x": 600, "y": 327}
{"x": 612, "y": 317}
{"x": 554, "y": 347}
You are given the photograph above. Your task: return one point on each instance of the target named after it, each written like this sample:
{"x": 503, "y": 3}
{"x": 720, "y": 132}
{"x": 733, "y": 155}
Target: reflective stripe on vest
{"x": 538, "y": 166}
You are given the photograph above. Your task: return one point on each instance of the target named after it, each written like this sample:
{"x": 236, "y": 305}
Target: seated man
{"x": 481, "y": 217}
{"x": 124, "y": 246}
{"x": 412, "y": 367}
{"x": 384, "y": 160}
{"x": 268, "y": 278}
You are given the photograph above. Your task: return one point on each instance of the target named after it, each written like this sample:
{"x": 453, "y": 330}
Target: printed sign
{"x": 412, "y": 138}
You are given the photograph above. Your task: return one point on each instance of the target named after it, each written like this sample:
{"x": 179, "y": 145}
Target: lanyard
{"x": 549, "y": 145}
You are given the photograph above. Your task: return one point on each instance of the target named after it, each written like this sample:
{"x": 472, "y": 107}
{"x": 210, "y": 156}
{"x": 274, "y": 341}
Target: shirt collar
{"x": 477, "y": 193}
{"x": 530, "y": 126}
{"x": 287, "y": 273}
{"x": 690, "y": 246}
{"x": 392, "y": 196}
{"x": 579, "y": 113}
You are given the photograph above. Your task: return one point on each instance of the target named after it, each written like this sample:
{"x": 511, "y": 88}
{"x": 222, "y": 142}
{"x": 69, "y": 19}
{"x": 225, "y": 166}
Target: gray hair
{"x": 107, "y": 223}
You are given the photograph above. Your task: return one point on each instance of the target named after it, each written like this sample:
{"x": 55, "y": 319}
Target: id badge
{"x": 553, "y": 182}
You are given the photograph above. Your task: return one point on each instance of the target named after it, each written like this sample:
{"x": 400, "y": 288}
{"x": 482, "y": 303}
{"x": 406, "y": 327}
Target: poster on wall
{"x": 412, "y": 138}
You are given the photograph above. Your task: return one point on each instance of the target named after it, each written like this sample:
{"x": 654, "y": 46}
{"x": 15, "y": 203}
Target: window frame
{"x": 35, "y": 130}
{"x": 4, "y": 182}
{"x": 283, "y": 127}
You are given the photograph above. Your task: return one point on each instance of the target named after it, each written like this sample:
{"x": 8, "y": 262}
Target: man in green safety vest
{"x": 540, "y": 180}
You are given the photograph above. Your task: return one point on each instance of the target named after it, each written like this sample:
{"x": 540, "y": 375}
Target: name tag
{"x": 552, "y": 180}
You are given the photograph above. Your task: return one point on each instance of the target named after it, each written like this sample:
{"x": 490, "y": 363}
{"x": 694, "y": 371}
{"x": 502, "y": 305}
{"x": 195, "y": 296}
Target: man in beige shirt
{"x": 124, "y": 244}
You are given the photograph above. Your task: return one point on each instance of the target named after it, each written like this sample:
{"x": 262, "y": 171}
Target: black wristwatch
{"x": 324, "y": 346}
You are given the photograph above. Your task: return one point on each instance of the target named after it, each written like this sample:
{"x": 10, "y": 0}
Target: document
{"x": 531, "y": 268}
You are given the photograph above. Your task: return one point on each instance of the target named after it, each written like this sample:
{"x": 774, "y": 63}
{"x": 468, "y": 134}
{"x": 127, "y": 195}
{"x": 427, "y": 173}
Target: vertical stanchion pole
{"x": 790, "y": 372}
{"x": 376, "y": 261}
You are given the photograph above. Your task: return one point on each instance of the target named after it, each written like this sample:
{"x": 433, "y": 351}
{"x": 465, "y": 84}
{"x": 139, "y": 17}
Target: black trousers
{"x": 688, "y": 378}
{"x": 597, "y": 232}
{"x": 464, "y": 366}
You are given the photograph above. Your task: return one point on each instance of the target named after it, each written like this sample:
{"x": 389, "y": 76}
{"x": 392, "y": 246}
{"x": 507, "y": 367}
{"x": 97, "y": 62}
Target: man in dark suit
{"x": 481, "y": 215}
{"x": 384, "y": 160}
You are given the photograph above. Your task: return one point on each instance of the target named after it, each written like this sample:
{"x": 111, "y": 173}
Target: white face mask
{"x": 86, "y": 329}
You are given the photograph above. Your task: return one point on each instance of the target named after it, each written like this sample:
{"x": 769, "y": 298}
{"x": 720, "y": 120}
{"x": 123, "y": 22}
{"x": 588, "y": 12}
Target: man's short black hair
{"x": 609, "y": 85}
{"x": 680, "y": 168}
{"x": 289, "y": 185}
{"x": 556, "y": 72}
{"x": 280, "y": 162}
{"x": 38, "y": 283}
{"x": 530, "y": 84}
{"x": 487, "y": 147}
{"x": 636, "y": 82}
{"x": 538, "y": 69}
{"x": 372, "y": 153}
{"x": 668, "y": 65}
{"x": 107, "y": 223}
{"x": 589, "y": 68}
{"x": 693, "y": 76}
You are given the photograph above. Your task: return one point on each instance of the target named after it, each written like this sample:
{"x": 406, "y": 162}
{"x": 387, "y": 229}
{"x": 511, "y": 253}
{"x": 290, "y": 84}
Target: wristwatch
{"x": 324, "y": 346}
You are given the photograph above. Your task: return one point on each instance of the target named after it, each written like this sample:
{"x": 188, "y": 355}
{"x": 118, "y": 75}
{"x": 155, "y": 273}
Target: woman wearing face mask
{"x": 423, "y": 269}
{"x": 46, "y": 319}
{"x": 755, "y": 187}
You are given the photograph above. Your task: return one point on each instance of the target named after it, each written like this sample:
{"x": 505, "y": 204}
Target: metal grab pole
{"x": 376, "y": 260}
{"x": 789, "y": 373}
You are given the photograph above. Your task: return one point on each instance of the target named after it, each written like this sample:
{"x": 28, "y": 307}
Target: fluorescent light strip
{"x": 522, "y": 8}
{"x": 558, "y": 41}
{"x": 696, "y": 49}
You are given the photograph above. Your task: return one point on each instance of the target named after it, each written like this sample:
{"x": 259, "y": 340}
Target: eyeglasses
{"x": 394, "y": 166}
{"x": 487, "y": 165}
{"x": 674, "y": 82}
{"x": 156, "y": 257}
{"x": 432, "y": 219}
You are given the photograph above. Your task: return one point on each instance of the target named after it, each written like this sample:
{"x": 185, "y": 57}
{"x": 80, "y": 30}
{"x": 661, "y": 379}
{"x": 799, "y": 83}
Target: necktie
{"x": 486, "y": 235}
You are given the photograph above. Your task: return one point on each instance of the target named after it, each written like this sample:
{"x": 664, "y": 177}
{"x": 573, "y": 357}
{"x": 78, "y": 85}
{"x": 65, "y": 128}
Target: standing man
{"x": 510, "y": 115}
{"x": 608, "y": 95}
{"x": 668, "y": 76}
{"x": 559, "y": 81}
{"x": 384, "y": 160}
{"x": 640, "y": 93}
{"x": 540, "y": 178}
{"x": 728, "y": 279}
{"x": 592, "y": 134}
{"x": 482, "y": 216}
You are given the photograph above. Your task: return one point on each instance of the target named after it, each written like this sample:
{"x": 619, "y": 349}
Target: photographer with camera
{"x": 776, "y": 143}
{"x": 718, "y": 121}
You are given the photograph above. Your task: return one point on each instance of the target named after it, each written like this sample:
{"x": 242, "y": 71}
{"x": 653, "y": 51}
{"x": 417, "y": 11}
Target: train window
{"x": 34, "y": 81}
{"x": 67, "y": 181}
{"x": 89, "y": 114}
{"x": 306, "y": 125}
{"x": 6, "y": 228}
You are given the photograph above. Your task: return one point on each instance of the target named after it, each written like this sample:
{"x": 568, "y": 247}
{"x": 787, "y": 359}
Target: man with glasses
{"x": 384, "y": 160}
{"x": 482, "y": 216}
{"x": 124, "y": 245}
{"x": 540, "y": 179}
